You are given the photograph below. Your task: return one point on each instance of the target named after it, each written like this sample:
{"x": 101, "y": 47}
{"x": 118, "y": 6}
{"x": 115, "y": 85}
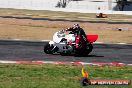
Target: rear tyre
{"x": 89, "y": 48}
{"x": 48, "y": 49}
{"x": 85, "y": 51}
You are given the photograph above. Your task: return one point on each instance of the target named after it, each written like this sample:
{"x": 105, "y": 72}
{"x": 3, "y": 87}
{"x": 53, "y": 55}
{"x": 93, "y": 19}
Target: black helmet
{"x": 76, "y": 26}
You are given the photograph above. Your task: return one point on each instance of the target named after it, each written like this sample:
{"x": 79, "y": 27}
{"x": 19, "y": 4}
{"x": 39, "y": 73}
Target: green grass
{"x": 57, "y": 76}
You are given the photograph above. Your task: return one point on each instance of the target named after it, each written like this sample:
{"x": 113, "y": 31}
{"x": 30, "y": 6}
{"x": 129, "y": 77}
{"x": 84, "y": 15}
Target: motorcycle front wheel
{"x": 48, "y": 49}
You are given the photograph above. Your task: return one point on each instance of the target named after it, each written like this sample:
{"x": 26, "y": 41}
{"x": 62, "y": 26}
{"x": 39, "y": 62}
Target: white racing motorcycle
{"x": 65, "y": 44}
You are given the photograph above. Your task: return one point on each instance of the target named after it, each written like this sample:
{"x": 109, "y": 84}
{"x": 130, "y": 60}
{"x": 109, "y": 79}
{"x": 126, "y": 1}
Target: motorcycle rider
{"x": 81, "y": 38}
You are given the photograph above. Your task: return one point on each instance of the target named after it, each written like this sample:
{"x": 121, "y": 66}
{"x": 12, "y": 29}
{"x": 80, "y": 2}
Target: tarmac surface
{"x": 62, "y": 19}
{"x": 33, "y": 50}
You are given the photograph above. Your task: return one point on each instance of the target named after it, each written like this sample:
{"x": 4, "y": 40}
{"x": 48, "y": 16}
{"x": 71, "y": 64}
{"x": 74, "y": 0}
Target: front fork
{"x": 54, "y": 49}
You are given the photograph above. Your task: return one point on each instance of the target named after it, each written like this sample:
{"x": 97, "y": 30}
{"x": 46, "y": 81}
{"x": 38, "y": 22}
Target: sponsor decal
{"x": 85, "y": 81}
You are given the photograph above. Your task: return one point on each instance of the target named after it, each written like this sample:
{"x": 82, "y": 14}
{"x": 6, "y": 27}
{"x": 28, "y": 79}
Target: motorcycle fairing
{"x": 92, "y": 38}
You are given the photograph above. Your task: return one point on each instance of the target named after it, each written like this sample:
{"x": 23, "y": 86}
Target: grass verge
{"x": 64, "y": 15}
{"x": 57, "y": 76}
{"x": 42, "y": 24}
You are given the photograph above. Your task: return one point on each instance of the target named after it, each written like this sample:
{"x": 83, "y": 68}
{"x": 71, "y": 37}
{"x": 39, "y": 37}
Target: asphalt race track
{"x": 33, "y": 50}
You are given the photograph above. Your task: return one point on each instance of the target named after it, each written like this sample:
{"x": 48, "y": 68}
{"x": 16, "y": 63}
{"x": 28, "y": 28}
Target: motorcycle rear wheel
{"x": 84, "y": 52}
{"x": 89, "y": 48}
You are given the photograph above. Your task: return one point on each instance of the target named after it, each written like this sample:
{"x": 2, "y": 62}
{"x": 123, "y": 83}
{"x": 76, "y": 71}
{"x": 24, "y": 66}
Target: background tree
{"x": 121, "y": 4}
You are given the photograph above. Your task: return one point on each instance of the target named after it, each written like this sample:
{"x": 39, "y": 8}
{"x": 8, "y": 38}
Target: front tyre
{"x": 48, "y": 49}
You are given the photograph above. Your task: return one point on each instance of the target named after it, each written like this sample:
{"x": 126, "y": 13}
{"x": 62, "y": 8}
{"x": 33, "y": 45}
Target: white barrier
{"x": 73, "y": 6}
